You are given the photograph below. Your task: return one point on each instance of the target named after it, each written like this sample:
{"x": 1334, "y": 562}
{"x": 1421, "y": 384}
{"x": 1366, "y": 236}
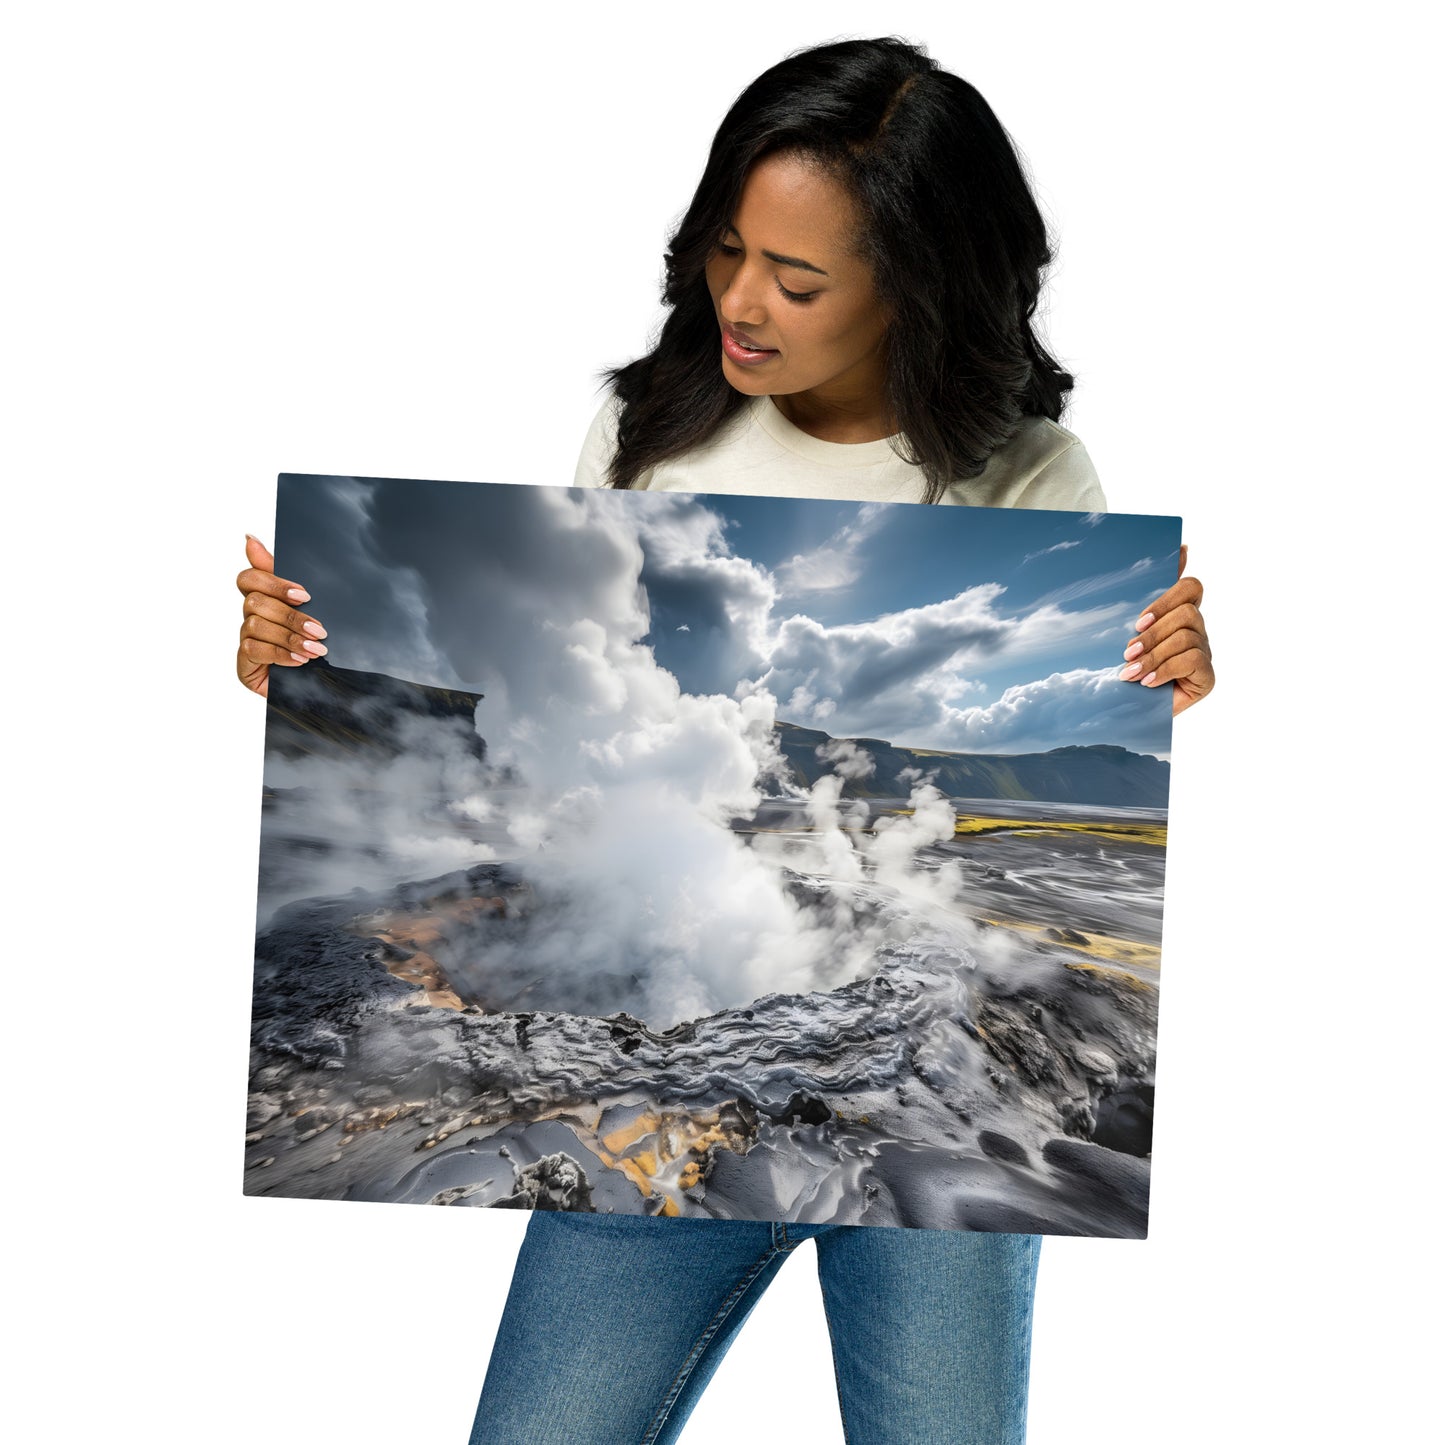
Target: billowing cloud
{"x": 1081, "y": 706}
{"x": 693, "y": 581}
{"x": 903, "y": 674}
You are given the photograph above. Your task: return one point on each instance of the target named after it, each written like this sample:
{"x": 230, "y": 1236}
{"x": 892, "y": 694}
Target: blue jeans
{"x": 930, "y": 1328}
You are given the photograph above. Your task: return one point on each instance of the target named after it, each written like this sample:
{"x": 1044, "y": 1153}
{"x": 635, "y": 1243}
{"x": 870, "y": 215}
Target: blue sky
{"x": 1043, "y": 604}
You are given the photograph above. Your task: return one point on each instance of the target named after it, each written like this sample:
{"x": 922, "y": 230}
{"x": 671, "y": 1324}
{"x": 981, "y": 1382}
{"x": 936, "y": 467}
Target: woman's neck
{"x": 838, "y": 419}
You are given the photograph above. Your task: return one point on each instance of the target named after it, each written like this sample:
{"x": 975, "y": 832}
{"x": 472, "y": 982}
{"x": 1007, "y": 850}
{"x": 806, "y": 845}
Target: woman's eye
{"x": 796, "y": 295}
{"x": 723, "y": 249}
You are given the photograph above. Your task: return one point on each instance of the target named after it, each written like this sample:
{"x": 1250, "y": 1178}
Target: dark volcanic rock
{"x": 556, "y": 1182}
{"x": 803, "y": 1109}
{"x": 1120, "y": 1180}
{"x": 1125, "y": 1120}
{"x": 457, "y": 1193}
{"x": 322, "y": 710}
{"x": 316, "y": 982}
{"x": 1018, "y": 1044}
{"x": 1001, "y": 1147}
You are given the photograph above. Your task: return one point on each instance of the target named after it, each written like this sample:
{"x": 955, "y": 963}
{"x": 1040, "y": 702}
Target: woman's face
{"x": 784, "y": 280}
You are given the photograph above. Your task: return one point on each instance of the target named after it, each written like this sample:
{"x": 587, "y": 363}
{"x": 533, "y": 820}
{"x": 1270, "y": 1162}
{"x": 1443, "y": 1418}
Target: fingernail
{"x": 300, "y": 657}
{"x": 314, "y": 628}
{"x": 1149, "y": 681}
{"x": 298, "y": 594}
{"x": 251, "y": 537}
{"x": 1146, "y": 620}
{"x": 316, "y": 649}
{"x": 1133, "y": 649}
{"x": 1131, "y": 669}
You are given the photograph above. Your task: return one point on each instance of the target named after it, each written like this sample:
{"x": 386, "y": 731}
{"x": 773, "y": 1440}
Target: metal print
{"x": 696, "y": 855}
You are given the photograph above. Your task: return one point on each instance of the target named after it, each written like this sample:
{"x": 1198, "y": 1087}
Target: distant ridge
{"x": 318, "y": 709}
{"x": 1101, "y": 773}
{"x": 323, "y": 710}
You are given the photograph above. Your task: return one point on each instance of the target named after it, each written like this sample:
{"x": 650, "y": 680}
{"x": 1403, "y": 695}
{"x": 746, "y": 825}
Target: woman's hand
{"x": 1172, "y": 645}
{"x": 272, "y": 630}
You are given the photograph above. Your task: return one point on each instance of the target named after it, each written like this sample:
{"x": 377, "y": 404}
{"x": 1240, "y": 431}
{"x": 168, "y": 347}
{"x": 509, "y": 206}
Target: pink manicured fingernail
{"x": 1132, "y": 669}
{"x": 314, "y": 628}
{"x": 298, "y": 594}
{"x": 300, "y": 657}
{"x": 1133, "y": 649}
{"x": 1149, "y": 681}
{"x": 1147, "y": 620}
{"x": 316, "y": 649}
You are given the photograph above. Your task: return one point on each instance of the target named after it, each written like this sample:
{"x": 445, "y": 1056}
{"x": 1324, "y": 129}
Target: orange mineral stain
{"x": 420, "y": 933}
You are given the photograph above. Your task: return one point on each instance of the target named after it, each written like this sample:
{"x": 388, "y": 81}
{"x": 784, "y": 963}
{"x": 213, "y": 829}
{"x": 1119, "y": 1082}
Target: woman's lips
{"x": 742, "y": 351}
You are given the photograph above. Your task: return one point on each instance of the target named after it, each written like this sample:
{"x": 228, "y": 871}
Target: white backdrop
{"x": 400, "y": 240}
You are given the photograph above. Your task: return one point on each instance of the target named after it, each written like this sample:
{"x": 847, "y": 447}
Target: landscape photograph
{"x": 712, "y": 857}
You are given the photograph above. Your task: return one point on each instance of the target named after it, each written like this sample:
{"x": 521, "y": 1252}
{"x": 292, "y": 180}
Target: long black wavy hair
{"x": 950, "y": 228}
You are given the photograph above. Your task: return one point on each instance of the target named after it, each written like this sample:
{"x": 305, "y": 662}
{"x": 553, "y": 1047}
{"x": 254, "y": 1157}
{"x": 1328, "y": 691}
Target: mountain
{"x": 322, "y": 710}
{"x": 1100, "y": 774}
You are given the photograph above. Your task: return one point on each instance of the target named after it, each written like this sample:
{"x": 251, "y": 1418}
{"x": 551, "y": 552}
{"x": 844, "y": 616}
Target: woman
{"x": 850, "y": 299}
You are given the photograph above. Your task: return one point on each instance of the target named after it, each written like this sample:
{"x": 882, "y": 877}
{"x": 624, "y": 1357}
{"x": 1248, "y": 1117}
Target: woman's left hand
{"x": 1172, "y": 645}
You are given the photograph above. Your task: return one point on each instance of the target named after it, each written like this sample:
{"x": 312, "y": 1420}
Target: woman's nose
{"x": 741, "y": 302}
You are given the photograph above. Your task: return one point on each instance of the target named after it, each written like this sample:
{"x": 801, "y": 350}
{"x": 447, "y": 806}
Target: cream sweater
{"x": 759, "y": 453}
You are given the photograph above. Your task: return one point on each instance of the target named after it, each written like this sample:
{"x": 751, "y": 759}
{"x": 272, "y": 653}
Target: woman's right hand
{"x": 272, "y": 630}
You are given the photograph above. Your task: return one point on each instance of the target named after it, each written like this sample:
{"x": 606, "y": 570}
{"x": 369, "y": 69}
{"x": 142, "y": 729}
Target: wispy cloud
{"x": 1057, "y": 547}
{"x": 836, "y": 562}
{"x": 1100, "y": 583}
{"x": 1091, "y": 519}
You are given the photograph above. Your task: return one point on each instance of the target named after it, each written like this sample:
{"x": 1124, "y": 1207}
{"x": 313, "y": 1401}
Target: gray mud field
{"x": 992, "y": 1068}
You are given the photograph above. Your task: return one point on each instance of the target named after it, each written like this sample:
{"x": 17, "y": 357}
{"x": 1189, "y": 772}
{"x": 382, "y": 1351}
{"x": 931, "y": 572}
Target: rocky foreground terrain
{"x": 985, "y": 1077}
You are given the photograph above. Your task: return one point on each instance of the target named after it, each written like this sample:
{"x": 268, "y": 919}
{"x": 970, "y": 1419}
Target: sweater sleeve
{"x": 598, "y": 446}
{"x": 1068, "y": 483}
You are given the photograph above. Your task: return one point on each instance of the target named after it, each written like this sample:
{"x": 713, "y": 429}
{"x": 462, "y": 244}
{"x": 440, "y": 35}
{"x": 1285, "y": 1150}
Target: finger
{"x": 1190, "y": 669}
{"x": 1186, "y": 618}
{"x": 258, "y": 679}
{"x": 272, "y": 609}
{"x": 254, "y": 661}
{"x": 258, "y": 652}
{"x": 1189, "y": 690}
{"x": 1186, "y": 589}
{"x": 263, "y": 580}
{"x": 257, "y": 555}
{"x": 1149, "y": 664}
{"x": 295, "y": 642}
{"x": 1183, "y": 558}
